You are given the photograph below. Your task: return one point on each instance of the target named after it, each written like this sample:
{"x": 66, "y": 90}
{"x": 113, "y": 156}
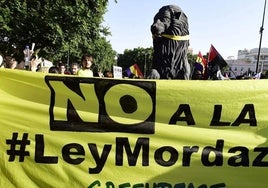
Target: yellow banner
{"x": 66, "y": 131}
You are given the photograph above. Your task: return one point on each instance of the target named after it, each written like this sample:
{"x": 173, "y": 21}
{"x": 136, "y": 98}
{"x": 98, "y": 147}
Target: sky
{"x": 229, "y": 25}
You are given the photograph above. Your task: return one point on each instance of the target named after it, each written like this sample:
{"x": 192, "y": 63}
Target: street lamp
{"x": 145, "y": 64}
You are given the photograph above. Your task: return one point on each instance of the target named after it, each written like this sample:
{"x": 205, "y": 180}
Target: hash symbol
{"x": 18, "y": 147}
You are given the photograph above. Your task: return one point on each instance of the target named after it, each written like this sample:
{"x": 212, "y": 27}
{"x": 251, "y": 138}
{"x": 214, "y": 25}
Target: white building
{"x": 246, "y": 62}
{"x": 240, "y": 67}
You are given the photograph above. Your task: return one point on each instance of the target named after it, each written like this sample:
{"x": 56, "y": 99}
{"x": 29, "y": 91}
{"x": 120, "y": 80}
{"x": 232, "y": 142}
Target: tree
{"x": 61, "y": 29}
{"x": 140, "y": 56}
{"x": 191, "y": 59}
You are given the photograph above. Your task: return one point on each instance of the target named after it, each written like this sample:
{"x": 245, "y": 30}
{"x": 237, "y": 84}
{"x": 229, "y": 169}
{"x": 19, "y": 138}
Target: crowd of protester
{"x": 85, "y": 68}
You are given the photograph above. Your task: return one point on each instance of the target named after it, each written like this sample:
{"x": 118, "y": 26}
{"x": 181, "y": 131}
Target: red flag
{"x": 215, "y": 58}
{"x": 215, "y": 63}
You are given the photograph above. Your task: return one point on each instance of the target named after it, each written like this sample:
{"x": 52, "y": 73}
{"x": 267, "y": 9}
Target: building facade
{"x": 246, "y": 63}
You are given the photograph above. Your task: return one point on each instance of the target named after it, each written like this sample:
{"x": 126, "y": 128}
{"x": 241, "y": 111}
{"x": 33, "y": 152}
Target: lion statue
{"x": 170, "y": 44}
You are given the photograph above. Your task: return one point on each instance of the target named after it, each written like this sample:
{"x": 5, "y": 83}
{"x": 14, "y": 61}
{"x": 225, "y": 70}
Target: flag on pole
{"x": 215, "y": 63}
{"x": 134, "y": 70}
{"x": 200, "y": 67}
{"x": 200, "y": 63}
{"x": 215, "y": 58}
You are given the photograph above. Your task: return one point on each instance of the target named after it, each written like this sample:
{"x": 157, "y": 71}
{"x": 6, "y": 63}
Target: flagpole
{"x": 261, "y": 31}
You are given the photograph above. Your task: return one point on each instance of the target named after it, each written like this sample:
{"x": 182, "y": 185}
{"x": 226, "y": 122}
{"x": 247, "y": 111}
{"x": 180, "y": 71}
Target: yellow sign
{"x": 68, "y": 131}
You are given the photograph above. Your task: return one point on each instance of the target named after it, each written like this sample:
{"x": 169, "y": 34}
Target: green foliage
{"x": 191, "y": 58}
{"x": 139, "y": 56}
{"x": 61, "y": 29}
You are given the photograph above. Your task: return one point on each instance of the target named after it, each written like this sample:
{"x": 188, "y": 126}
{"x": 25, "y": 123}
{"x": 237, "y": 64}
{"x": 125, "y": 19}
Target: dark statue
{"x": 170, "y": 43}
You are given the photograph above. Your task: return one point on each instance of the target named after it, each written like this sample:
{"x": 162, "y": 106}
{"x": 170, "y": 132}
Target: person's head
{"x": 11, "y": 63}
{"x": 54, "y": 69}
{"x": 74, "y": 68}
{"x": 198, "y": 75}
{"x": 62, "y": 68}
{"x": 108, "y": 74}
{"x": 87, "y": 61}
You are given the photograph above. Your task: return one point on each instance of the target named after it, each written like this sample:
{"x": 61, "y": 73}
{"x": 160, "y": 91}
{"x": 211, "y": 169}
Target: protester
{"x": 62, "y": 68}
{"x": 197, "y": 75}
{"x": 10, "y": 62}
{"x": 74, "y": 68}
{"x": 108, "y": 74}
{"x": 87, "y": 61}
{"x": 54, "y": 70}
